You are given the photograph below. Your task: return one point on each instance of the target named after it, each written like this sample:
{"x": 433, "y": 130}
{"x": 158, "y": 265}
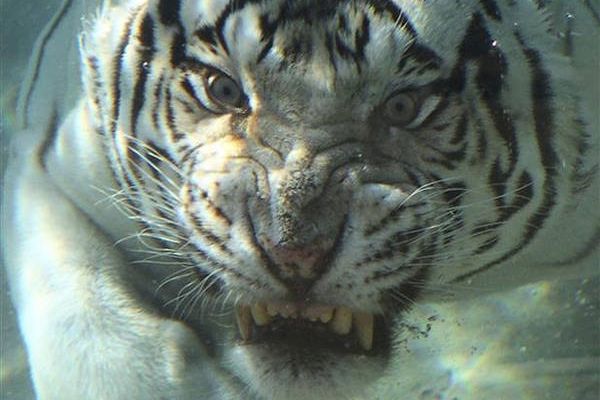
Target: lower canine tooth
{"x": 342, "y": 321}
{"x": 244, "y": 321}
{"x": 363, "y": 324}
{"x": 260, "y": 315}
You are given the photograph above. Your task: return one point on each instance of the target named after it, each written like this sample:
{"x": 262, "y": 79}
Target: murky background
{"x": 539, "y": 342}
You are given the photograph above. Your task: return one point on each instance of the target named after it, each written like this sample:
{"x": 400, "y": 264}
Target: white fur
{"x": 89, "y": 335}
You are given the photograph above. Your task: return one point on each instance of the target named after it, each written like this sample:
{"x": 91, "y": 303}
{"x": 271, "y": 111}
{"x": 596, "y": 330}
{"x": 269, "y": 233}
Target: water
{"x": 538, "y": 342}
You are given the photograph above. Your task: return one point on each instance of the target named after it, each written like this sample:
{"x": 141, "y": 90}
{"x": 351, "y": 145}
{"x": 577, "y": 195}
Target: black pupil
{"x": 226, "y": 91}
{"x": 399, "y": 106}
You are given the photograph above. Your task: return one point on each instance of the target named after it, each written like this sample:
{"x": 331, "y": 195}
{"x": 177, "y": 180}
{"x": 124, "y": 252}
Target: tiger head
{"x": 319, "y": 166}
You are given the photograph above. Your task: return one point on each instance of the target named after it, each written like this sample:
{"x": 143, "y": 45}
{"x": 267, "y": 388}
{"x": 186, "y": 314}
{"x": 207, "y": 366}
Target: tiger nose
{"x": 298, "y": 265}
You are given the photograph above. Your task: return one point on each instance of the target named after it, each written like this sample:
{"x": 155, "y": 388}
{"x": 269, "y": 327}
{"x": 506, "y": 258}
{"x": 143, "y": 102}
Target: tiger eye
{"x": 224, "y": 91}
{"x": 400, "y": 109}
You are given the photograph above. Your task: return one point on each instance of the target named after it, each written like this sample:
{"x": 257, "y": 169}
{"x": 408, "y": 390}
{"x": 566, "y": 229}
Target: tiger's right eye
{"x": 401, "y": 109}
{"x": 224, "y": 91}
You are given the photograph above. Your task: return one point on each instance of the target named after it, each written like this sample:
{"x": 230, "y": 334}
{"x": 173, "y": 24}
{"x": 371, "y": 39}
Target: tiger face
{"x": 317, "y": 167}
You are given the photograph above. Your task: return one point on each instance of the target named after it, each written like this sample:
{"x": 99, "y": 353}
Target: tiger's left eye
{"x": 224, "y": 91}
{"x": 401, "y": 109}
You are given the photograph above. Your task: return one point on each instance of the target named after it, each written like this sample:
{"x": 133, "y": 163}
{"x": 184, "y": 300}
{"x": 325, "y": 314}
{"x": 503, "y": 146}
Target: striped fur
{"x": 309, "y": 188}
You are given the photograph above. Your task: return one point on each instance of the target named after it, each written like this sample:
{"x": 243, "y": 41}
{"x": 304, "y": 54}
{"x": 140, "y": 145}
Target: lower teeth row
{"x": 339, "y": 320}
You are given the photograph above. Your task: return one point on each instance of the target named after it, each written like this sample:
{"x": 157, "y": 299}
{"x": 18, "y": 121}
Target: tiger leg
{"x": 86, "y": 336}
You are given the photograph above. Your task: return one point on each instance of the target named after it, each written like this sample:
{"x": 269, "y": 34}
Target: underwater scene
{"x": 300, "y": 199}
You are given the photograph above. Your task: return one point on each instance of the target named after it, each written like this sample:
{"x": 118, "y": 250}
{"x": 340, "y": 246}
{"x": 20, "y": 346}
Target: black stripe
{"x": 132, "y": 198}
{"x": 453, "y": 196}
{"x": 460, "y": 132}
{"x": 200, "y": 227}
{"x": 50, "y": 136}
{"x": 309, "y": 12}
{"x": 491, "y": 9}
{"x": 66, "y": 5}
{"x": 168, "y": 12}
{"x": 583, "y": 178}
{"x": 147, "y": 51}
{"x": 156, "y": 101}
{"x": 208, "y": 237}
{"x": 422, "y": 55}
{"x": 342, "y": 48}
{"x": 451, "y": 157}
{"x": 487, "y": 245}
{"x": 391, "y": 217}
{"x": 267, "y": 29}
{"x": 233, "y": 7}
{"x": 330, "y": 50}
{"x": 492, "y": 67}
{"x": 343, "y": 24}
{"x": 165, "y": 205}
{"x": 207, "y": 35}
{"x": 265, "y": 50}
{"x": 484, "y": 227}
{"x": 482, "y": 142}
{"x": 522, "y": 196}
{"x": 220, "y": 25}
{"x": 497, "y": 181}
{"x": 173, "y": 131}
{"x": 189, "y": 89}
{"x": 93, "y": 66}
{"x": 162, "y": 153}
{"x": 204, "y": 197}
{"x": 117, "y": 66}
{"x": 133, "y": 160}
{"x": 434, "y": 115}
{"x": 543, "y": 113}
{"x": 295, "y": 50}
{"x": 421, "y": 260}
{"x": 398, "y": 16}
{"x": 361, "y": 38}
{"x": 178, "y": 53}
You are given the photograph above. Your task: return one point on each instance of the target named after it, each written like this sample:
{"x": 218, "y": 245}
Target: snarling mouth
{"x": 332, "y": 328}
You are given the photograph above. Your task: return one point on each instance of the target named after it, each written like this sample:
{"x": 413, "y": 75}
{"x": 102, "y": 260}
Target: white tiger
{"x": 243, "y": 198}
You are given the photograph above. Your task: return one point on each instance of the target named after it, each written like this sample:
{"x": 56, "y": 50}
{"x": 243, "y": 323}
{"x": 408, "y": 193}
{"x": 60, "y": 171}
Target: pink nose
{"x": 304, "y": 262}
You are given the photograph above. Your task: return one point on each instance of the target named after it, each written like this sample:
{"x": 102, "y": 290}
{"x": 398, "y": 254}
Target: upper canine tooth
{"x": 363, "y": 324}
{"x": 244, "y": 321}
{"x": 260, "y": 315}
{"x": 342, "y": 321}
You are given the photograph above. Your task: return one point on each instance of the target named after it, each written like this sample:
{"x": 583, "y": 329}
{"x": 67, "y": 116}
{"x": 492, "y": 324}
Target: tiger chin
{"x": 243, "y": 199}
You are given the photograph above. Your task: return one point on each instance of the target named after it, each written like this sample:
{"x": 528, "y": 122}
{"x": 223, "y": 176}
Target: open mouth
{"x": 324, "y": 327}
